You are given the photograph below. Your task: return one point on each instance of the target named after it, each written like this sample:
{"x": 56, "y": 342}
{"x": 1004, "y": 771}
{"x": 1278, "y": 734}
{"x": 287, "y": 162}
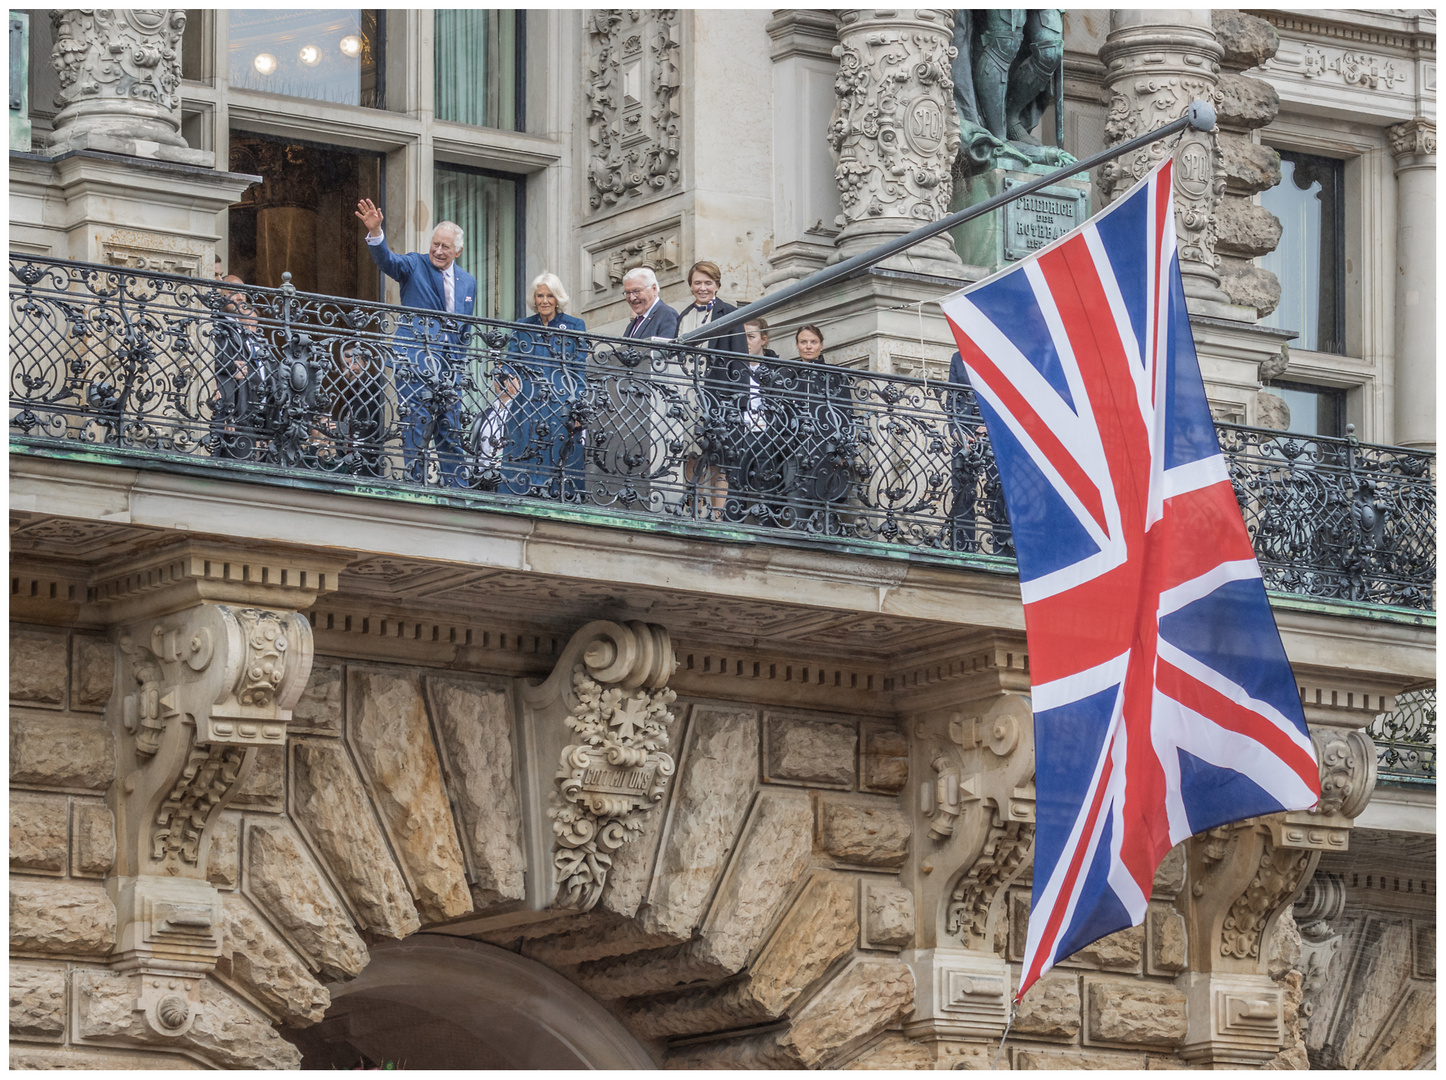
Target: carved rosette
{"x": 608, "y": 782}
{"x": 894, "y": 131}
{"x": 119, "y": 72}
{"x": 1153, "y": 72}
{"x": 634, "y": 75}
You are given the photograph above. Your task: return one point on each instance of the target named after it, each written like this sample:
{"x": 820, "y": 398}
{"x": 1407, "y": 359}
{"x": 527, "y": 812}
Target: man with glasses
{"x": 651, "y": 317}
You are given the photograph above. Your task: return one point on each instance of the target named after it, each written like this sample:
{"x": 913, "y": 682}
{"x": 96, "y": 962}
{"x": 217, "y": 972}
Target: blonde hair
{"x": 554, "y": 286}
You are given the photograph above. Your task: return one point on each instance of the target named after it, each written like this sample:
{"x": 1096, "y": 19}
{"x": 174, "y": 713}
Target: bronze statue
{"x": 1004, "y": 77}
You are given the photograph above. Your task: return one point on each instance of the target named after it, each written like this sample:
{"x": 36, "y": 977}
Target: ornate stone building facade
{"x": 306, "y": 775}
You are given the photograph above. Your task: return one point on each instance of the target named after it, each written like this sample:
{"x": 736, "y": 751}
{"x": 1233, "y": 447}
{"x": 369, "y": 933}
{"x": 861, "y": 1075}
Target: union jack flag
{"x": 1163, "y": 701}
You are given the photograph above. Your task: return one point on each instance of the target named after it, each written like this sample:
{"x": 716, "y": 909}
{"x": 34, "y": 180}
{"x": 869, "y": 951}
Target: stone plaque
{"x": 1035, "y": 220}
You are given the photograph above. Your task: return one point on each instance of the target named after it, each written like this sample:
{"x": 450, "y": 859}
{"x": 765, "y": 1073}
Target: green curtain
{"x": 476, "y": 67}
{"x": 486, "y": 208}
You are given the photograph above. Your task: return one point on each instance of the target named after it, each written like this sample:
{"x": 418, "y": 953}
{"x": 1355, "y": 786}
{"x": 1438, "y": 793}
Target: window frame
{"x": 519, "y": 239}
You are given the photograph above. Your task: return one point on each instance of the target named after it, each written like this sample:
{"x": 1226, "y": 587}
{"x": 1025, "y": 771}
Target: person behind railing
{"x": 539, "y": 387}
{"x": 431, "y": 350}
{"x": 356, "y": 425}
{"x": 824, "y": 465}
{"x": 964, "y": 470}
{"x": 722, "y": 376}
{"x": 651, "y": 317}
{"x": 243, "y": 366}
{"x": 755, "y": 447}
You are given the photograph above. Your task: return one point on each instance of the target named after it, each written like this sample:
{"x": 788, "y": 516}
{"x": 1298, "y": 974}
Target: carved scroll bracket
{"x": 609, "y": 692}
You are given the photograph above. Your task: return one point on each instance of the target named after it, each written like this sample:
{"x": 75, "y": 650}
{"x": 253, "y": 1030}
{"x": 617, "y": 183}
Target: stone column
{"x": 1413, "y": 144}
{"x": 1158, "y": 61}
{"x": 895, "y": 132}
{"x": 120, "y": 78}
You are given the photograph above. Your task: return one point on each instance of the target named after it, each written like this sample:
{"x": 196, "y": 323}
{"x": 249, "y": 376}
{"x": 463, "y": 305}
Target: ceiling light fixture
{"x": 351, "y": 45}
{"x": 264, "y": 63}
{"x": 310, "y": 55}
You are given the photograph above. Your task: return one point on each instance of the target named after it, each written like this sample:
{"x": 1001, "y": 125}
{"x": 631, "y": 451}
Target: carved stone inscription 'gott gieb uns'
{"x": 633, "y": 79}
{"x": 895, "y": 131}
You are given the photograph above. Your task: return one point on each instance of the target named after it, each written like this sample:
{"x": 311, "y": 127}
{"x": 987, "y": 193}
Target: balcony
{"x": 281, "y": 387}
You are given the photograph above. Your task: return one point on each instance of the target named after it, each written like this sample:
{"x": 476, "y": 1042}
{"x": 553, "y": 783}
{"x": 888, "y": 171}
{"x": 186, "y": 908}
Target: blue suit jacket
{"x": 422, "y": 282}
{"x": 661, "y": 322}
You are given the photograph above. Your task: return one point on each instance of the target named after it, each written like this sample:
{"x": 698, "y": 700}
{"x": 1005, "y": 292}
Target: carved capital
{"x": 609, "y": 691}
{"x": 894, "y": 129}
{"x": 1413, "y": 143}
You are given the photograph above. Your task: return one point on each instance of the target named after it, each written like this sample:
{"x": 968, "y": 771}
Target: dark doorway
{"x": 301, "y": 216}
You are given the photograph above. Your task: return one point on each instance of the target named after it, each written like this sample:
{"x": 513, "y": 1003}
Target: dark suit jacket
{"x": 421, "y": 282}
{"x": 661, "y": 322}
{"x": 735, "y": 341}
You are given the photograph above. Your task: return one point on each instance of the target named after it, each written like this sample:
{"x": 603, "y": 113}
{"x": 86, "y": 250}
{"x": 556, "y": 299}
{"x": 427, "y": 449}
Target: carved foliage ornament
{"x": 1416, "y": 137}
{"x": 969, "y": 905}
{"x": 130, "y": 53}
{"x": 608, "y": 781}
{"x": 1279, "y": 874}
{"x": 894, "y": 128}
{"x": 632, "y": 112}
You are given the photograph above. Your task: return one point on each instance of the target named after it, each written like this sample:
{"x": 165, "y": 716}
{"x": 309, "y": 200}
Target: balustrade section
{"x": 277, "y": 383}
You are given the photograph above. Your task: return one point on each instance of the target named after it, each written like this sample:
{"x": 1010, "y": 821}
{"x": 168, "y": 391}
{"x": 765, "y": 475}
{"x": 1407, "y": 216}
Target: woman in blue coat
{"x": 540, "y": 385}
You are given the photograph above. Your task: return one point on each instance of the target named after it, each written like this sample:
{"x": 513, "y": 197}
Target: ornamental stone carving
{"x": 609, "y": 696}
{"x": 1352, "y": 68}
{"x": 894, "y": 131}
{"x": 120, "y": 74}
{"x": 1413, "y": 139}
{"x": 634, "y": 76}
{"x": 1153, "y": 71}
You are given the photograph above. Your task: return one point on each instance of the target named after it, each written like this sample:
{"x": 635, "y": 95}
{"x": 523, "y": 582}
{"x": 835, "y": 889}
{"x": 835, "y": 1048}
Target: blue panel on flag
{"x": 1098, "y": 912}
{"x": 1214, "y": 796}
{"x": 1009, "y": 303}
{"x": 1189, "y": 426}
{"x": 1067, "y": 742}
{"x": 1047, "y": 534}
{"x": 1233, "y": 632}
{"x": 1120, "y": 231}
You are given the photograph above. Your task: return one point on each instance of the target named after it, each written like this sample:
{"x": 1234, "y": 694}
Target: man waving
{"x": 429, "y": 347}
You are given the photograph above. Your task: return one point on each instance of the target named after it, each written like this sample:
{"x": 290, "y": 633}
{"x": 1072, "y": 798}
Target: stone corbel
{"x": 1322, "y": 902}
{"x": 602, "y": 720}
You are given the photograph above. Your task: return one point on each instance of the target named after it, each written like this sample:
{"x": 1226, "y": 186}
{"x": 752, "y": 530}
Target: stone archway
{"x": 438, "y": 1002}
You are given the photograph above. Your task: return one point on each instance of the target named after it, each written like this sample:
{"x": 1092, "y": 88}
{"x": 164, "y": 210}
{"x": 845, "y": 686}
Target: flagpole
{"x": 1200, "y": 116}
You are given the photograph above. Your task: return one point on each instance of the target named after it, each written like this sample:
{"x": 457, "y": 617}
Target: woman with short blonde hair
{"x": 554, "y": 285}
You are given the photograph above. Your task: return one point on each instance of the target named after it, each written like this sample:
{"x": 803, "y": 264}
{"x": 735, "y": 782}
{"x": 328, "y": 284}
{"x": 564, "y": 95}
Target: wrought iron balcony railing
{"x": 514, "y": 416}
{"x": 1405, "y": 739}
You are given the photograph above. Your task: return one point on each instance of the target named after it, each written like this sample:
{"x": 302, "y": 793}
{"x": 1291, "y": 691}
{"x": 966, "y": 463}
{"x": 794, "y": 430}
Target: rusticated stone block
{"x": 885, "y": 759}
{"x": 318, "y": 710}
{"x": 260, "y": 962}
{"x": 96, "y": 1059}
{"x": 1248, "y": 41}
{"x": 1271, "y": 411}
{"x": 1247, "y": 102}
{"x": 225, "y": 1031}
{"x": 66, "y": 917}
{"x": 1244, "y": 229}
{"x": 1248, "y": 167}
{"x": 223, "y": 861}
{"x": 37, "y": 832}
{"x": 893, "y": 1052}
{"x": 284, "y": 883}
{"x": 1170, "y": 874}
{"x": 1165, "y": 928}
{"x": 387, "y": 730}
{"x": 888, "y": 916}
{"x": 475, "y": 725}
{"x": 866, "y": 835}
{"x": 37, "y": 1001}
{"x": 711, "y": 799}
{"x": 92, "y": 674}
{"x": 1124, "y": 950}
{"x": 92, "y": 838}
{"x": 265, "y": 788}
{"x": 1075, "y": 1059}
{"x": 1051, "y": 1008}
{"x": 60, "y": 751}
{"x": 869, "y": 997}
{"x": 37, "y": 667}
{"x": 772, "y": 853}
{"x": 820, "y": 753}
{"x": 1249, "y": 285}
{"x": 329, "y": 803}
{"x": 1134, "y": 1012}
